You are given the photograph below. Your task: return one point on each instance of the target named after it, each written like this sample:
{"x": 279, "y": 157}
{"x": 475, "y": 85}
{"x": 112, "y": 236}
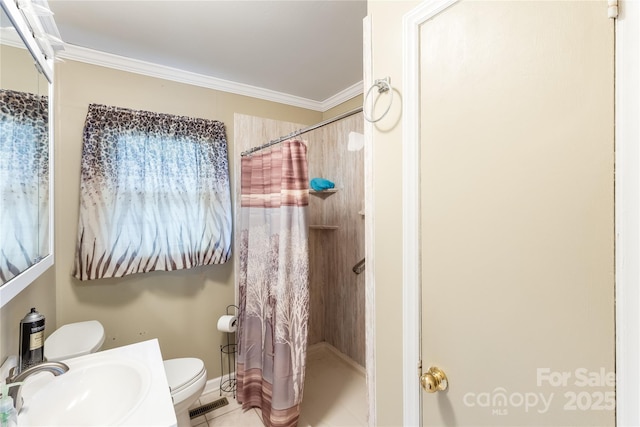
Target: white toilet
{"x": 187, "y": 376}
{"x": 73, "y": 340}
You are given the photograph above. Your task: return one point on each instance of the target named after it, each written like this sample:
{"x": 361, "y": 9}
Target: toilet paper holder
{"x": 228, "y": 382}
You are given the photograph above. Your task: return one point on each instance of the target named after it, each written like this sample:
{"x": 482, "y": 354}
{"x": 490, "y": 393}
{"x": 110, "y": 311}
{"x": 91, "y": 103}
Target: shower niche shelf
{"x": 323, "y": 227}
{"x": 323, "y": 193}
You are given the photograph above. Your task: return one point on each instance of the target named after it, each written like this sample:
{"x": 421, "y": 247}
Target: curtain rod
{"x": 301, "y": 131}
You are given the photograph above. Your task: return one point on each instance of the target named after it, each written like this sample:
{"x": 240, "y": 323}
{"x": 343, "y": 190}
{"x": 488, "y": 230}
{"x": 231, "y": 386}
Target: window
{"x": 154, "y": 193}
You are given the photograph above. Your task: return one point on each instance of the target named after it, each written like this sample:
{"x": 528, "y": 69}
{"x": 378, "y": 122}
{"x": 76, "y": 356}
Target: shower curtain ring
{"x": 383, "y": 85}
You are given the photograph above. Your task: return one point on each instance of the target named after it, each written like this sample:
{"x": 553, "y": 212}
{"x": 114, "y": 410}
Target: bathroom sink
{"x": 96, "y": 391}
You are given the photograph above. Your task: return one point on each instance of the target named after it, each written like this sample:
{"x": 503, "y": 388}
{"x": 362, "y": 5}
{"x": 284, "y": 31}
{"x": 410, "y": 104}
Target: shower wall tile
{"x": 317, "y": 291}
{"x": 341, "y": 249}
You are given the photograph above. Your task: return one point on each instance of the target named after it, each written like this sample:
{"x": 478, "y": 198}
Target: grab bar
{"x": 359, "y": 267}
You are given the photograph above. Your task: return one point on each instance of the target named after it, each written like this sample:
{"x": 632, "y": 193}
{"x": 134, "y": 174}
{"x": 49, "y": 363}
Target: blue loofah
{"x": 319, "y": 184}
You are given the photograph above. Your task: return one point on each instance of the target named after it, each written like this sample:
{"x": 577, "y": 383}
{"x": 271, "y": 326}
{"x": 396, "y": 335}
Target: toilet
{"x": 73, "y": 340}
{"x": 186, "y": 376}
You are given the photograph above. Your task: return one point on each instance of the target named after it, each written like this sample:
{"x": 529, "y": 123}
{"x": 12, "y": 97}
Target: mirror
{"x": 26, "y": 249}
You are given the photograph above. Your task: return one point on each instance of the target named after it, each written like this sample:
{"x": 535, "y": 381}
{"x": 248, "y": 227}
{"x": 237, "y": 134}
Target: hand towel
{"x": 319, "y": 184}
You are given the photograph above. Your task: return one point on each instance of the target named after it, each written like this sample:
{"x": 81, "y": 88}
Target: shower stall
{"x": 336, "y": 220}
{"x": 336, "y": 238}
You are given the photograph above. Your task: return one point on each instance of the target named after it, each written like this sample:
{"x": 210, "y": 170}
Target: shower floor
{"x": 334, "y": 395}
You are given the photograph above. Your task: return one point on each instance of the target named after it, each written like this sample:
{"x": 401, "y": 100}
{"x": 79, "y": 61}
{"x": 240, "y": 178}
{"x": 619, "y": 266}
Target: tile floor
{"x": 334, "y": 395}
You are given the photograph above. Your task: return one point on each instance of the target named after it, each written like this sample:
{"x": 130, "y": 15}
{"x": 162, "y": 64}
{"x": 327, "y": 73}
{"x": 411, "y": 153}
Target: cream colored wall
{"x": 179, "y": 308}
{"x": 18, "y": 72}
{"x": 349, "y": 105}
{"x": 386, "y": 24}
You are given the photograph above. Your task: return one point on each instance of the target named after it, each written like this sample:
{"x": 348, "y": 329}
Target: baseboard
{"x": 213, "y": 385}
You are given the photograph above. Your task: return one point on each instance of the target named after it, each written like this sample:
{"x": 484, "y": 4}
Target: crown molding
{"x": 9, "y": 37}
{"x": 103, "y": 59}
{"x": 343, "y": 96}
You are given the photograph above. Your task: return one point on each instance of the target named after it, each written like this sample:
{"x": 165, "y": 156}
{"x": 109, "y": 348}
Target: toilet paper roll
{"x": 227, "y": 323}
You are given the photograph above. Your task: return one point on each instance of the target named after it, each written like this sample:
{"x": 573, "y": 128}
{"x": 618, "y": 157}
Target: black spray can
{"x": 31, "y": 340}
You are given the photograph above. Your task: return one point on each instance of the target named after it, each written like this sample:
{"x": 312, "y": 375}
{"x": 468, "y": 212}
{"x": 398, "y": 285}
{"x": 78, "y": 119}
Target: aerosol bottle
{"x": 31, "y": 340}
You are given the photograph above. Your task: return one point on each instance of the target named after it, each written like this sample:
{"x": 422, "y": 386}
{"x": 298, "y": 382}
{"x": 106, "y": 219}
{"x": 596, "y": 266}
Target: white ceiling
{"x": 311, "y": 49}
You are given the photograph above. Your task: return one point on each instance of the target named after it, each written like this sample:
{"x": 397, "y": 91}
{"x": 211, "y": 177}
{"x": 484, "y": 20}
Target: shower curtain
{"x": 273, "y": 282}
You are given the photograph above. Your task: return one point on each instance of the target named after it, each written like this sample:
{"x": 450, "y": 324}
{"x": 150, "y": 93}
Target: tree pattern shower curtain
{"x": 273, "y": 282}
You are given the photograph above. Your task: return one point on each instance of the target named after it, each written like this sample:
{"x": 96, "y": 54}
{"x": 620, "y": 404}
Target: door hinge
{"x": 612, "y": 9}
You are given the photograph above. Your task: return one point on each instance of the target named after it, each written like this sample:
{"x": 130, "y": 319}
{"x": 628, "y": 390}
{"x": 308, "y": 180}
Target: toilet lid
{"x": 73, "y": 340}
{"x": 183, "y": 372}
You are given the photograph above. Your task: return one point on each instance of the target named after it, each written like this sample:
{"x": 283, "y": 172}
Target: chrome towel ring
{"x": 383, "y": 85}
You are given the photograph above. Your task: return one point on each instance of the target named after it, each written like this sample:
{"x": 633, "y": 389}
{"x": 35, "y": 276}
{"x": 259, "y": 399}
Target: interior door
{"x": 517, "y": 214}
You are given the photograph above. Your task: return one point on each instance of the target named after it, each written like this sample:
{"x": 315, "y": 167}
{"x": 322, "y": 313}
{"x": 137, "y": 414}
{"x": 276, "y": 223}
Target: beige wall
{"x": 386, "y": 25}
{"x": 179, "y": 308}
{"x": 349, "y": 105}
{"x": 18, "y": 72}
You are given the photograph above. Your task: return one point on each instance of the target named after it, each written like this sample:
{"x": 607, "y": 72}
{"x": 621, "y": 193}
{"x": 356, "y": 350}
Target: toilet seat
{"x": 73, "y": 340}
{"x": 187, "y": 378}
{"x": 183, "y": 373}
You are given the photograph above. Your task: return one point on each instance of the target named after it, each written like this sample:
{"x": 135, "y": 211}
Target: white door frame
{"x": 627, "y": 202}
{"x": 627, "y": 137}
{"x": 369, "y": 234}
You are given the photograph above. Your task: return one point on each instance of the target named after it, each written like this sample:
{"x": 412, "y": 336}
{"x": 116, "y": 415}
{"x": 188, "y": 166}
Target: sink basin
{"x": 96, "y": 391}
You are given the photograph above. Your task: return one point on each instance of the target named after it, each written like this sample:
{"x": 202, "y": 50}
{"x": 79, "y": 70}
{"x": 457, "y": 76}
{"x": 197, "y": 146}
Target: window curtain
{"x": 154, "y": 193}
{"x": 273, "y": 283}
{"x": 24, "y": 181}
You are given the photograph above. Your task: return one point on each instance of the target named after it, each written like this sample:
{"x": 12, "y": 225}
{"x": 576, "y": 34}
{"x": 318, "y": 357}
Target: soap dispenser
{"x": 8, "y": 414}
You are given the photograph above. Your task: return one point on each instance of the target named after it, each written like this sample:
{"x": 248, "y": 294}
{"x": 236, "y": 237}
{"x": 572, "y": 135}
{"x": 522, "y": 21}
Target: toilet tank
{"x": 73, "y": 340}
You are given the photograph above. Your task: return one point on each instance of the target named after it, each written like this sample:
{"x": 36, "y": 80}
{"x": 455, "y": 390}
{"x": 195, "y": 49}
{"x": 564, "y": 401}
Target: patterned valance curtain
{"x": 154, "y": 193}
{"x": 24, "y": 181}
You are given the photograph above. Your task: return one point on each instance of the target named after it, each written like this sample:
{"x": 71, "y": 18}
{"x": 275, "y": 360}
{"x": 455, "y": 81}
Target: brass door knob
{"x": 434, "y": 380}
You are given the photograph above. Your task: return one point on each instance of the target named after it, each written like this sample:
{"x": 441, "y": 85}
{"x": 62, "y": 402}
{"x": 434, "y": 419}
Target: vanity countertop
{"x": 157, "y": 408}
{"x": 154, "y": 409}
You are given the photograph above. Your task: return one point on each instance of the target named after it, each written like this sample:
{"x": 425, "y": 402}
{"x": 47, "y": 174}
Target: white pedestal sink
{"x": 122, "y": 386}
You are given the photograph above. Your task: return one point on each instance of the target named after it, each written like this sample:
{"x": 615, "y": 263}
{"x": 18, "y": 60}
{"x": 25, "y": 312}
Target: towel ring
{"x": 383, "y": 85}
